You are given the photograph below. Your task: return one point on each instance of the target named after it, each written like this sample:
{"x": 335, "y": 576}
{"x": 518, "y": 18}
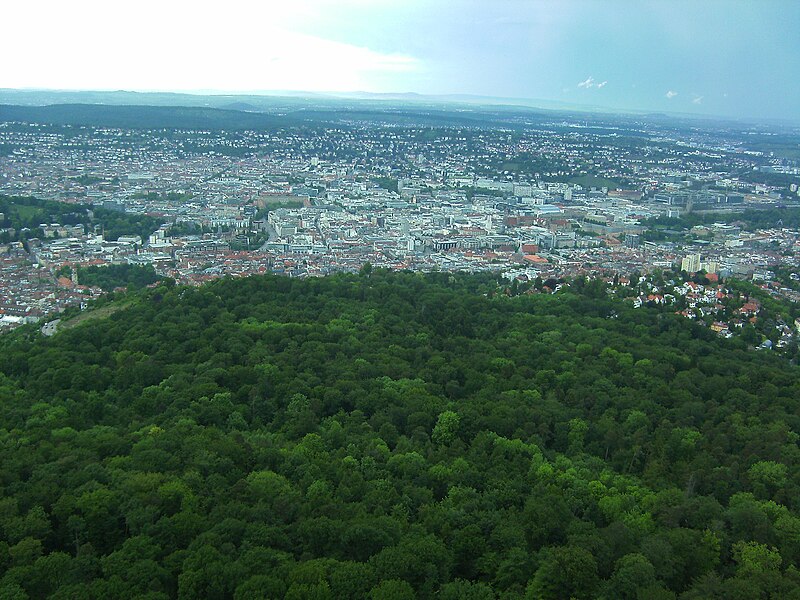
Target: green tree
{"x": 753, "y": 558}
{"x": 446, "y": 429}
{"x": 633, "y": 576}
{"x": 392, "y": 589}
{"x": 565, "y": 572}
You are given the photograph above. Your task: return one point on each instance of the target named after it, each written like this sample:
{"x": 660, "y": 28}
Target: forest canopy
{"x": 394, "y": 435}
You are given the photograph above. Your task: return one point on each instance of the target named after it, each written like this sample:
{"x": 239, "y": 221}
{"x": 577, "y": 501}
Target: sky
{"x": 716, "y": 57}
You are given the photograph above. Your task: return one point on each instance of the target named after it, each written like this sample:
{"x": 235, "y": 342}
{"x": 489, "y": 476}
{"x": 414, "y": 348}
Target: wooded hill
{"x": 394, "y": 436}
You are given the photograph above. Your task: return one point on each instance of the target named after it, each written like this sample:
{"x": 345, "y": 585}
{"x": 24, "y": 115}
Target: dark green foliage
{"x": 114, "y": 276}
{"x": 388, "y": 183}
{"x": 566, "y": 572}
{"x": 394, "y": 436}
{"x": 115, "y": 223}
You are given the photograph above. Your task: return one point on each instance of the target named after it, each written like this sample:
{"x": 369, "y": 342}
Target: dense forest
{"x": 394, "y": 435}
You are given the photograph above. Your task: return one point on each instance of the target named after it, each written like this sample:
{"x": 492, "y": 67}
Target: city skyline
{"x": 728, "y": 59}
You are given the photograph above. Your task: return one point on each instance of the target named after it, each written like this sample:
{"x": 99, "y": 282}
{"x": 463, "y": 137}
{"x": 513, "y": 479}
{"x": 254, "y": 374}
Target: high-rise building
{"x": 691, "y": 263}
{"x": 632, "y": 240}
{"x": 710, "y": 266}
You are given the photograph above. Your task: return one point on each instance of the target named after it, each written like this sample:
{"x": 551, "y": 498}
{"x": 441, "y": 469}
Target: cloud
{"x": 591, "y": 83}
{"x": 698, "y": 100}
{"x": 670, "y": 94}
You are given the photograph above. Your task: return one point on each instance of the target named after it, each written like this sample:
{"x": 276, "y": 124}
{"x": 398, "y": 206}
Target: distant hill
{"x": 416, "y": 109}
{"x": 274, "y": 101}
{"x": 242, "y": 106}
{"x": 143, "y": 117}
{"x": 247, "y": 116}
{"x": 264, "y": 103}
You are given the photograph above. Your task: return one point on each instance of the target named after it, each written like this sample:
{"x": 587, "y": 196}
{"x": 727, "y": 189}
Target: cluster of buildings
{"x": 551, "y": 199}
{"x": 29, "y": 293}
{"x": 720, "y": 308}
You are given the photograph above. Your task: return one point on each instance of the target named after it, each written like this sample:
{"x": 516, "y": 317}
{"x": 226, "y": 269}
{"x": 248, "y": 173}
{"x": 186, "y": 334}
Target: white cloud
{"x": 246, "y": 47}
{"x": 670, "y": 94}
{"x": 591, "y": 83}
{"x": 698, "y": 100}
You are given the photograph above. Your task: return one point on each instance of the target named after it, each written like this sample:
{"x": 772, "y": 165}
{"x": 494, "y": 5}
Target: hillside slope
{"x": 394, "y": 436}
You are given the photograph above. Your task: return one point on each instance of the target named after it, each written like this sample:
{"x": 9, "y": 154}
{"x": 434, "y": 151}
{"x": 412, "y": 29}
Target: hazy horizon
{"x": 724, "y": 59}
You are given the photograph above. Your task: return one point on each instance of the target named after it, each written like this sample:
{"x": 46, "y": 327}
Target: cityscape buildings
{"x": 550, "y": 198}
